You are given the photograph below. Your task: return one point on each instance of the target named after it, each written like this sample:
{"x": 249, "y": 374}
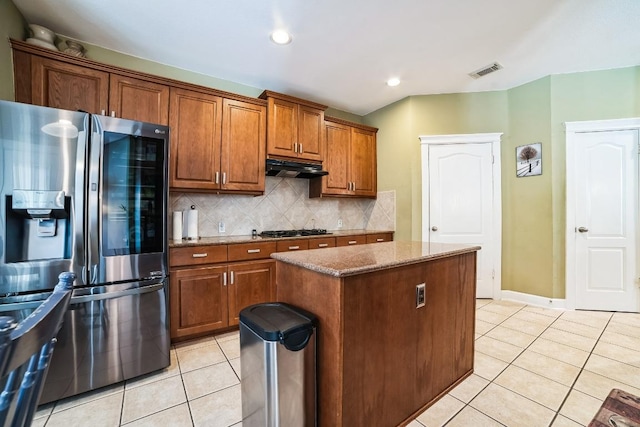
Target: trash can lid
{"x": 278, "y": 321}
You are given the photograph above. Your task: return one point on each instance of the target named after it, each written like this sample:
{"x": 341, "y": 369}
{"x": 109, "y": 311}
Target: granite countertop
{"x": 351, "y": 260}
{"x": 224, "y": 240}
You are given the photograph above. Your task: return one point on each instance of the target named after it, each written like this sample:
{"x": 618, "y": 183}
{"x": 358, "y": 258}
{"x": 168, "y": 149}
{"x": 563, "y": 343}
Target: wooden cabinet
{"x": 322, "y": 242}
{"x": 218, "y": 139}
{"x": 207, "y": 291}
{"x": 292, "y": 245}
{"x": 360, "y": 239}
{"x": 198, "y": 300}
{"x": 350, "y": 159}
{"x": 216, "y": 143}
{"x": 381, "y": 359}
{"x": 379, "y": 237}
{"x": 295, "y": 127}
{"x": 136, "y": 99}
{"x": 60, "y": 85}
{"x": 250, "y": 283}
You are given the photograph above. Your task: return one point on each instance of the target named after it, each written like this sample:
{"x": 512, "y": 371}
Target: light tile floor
{"x": 533, "y": 367}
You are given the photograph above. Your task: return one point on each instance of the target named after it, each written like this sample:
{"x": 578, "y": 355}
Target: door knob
{"x": 434, "y": 228}
{"x": 583, "y": 229}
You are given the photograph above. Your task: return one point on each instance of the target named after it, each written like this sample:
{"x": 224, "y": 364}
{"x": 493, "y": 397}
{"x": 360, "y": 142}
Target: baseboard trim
{"x": 534, "y": 299}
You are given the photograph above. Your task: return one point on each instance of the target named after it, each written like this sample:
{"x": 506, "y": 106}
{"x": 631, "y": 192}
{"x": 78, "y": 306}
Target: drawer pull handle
{"x": 323, "y": 245}
{"x": 353, "y": 242}
{"x": 379, "y": 240}
{"x": 293, "y": 248}
{"x": 204, "y": 255}
{"x": 253, "y": 251}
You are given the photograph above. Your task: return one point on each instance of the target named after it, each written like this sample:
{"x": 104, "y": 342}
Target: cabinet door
{"x": 243, "y": 146}
{"x": 198, "y": 300}
{"x": 282, "y": 130}
{"x": 338, "y": 138}
{"x": 195, "y": 119}
{"x": 363, "y": 162}
{"x": 70, "y": 87}
{"x": 138, "y": 100}
{"x": 250, "y": 283}
{"x": 310, "y": 133}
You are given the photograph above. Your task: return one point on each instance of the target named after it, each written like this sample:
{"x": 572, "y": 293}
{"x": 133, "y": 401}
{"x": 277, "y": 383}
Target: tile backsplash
{"x": 284, "y": 205}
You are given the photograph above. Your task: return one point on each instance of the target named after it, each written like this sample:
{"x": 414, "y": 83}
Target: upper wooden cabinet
{"x": 216, "y": 143}
{"x": 350, "y": 160}
{"x": 217, "y": 140}
{"x": 60, "y": 85}
{"x": 136, "y": 99}
{"x": 295, "y": 127}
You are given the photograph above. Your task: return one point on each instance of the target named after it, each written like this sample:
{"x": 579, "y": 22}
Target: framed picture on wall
{"x": 529, "y": 160}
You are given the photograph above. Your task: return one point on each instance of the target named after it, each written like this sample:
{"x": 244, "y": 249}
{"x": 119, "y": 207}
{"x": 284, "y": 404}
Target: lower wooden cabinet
{"x": 205, "y": 299}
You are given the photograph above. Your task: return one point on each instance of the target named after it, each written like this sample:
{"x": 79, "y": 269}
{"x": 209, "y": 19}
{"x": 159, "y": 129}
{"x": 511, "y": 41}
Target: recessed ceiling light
{"x": 281, "y": 37}
{"x": 393, "y": 82}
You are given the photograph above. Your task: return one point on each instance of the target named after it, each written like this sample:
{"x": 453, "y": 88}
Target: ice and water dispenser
{"x": 37, "y": 225}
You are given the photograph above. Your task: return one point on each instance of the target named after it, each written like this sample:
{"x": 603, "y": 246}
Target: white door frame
{"x": 572, "y": 129}
{"x": 473, "y": 138}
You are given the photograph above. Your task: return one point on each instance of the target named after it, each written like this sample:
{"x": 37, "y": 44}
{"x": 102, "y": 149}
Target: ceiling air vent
{"x": 486, "y": 70}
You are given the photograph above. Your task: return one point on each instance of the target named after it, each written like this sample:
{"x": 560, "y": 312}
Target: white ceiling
{"x": 343, "y": 51}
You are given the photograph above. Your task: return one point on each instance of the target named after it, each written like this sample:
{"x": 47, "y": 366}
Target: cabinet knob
{"x": 352, "y": 242}
{"x": 434, "y": 228}
{"x": 293, "y": 248}
{"x": 253, "y": 251}
{"x": 300, "y": 147}
{"x": 199, "y": 255}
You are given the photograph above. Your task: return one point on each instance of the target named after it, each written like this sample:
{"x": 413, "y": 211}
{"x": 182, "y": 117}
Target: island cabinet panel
{"x": 136, "y": 99}
{"x": 198, "y": 301}
{"x": 196, "y": 128}
{"x": 250, "y": 283}
{"x": 60, "y": 85}
{"x": 381, "y": 359}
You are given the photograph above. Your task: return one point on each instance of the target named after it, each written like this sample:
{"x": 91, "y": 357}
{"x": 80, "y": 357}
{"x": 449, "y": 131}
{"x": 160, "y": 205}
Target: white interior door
{"x": 606, "y": 216}
{"x": 463, "y": 205}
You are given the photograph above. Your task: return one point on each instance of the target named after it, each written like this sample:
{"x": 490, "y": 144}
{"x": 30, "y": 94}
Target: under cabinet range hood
{"x": 289, "y": 169}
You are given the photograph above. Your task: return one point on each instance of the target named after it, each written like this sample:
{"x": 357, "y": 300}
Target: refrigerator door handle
{"x": 93, "y": 199}
{"x": 111, "y": 295}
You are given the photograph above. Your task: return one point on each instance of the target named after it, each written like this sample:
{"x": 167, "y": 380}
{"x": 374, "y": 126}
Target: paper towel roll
{"x": 177, "y": 225}
{"x": 192, "y": 223}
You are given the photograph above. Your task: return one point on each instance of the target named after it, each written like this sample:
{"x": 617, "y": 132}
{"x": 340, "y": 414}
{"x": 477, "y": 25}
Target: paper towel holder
{"x": 189, "y": 219}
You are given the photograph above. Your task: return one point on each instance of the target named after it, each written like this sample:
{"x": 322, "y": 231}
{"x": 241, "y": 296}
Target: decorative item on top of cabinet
{"x": 295, "y": 127}
{"x": 217, "y": 144}
{"x": 350, "y": 159}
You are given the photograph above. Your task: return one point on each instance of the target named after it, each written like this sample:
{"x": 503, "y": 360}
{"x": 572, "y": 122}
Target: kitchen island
{"x": 386, "y": 350}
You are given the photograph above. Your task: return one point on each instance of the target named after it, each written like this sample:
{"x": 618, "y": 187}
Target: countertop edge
{"x": 231, "y": 240}
{"x": 345, "y": 272}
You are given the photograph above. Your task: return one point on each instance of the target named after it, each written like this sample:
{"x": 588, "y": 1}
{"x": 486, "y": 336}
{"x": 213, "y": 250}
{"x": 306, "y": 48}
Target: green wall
{"x": 533, "y": 208}
{"x": 12, "y": 25}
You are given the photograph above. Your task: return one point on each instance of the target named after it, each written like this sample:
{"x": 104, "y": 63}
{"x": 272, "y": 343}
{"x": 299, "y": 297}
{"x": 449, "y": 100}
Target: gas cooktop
{"x": 293, "y": 233}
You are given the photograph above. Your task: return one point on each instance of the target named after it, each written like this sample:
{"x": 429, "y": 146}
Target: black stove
{"x": 293, "y": 233}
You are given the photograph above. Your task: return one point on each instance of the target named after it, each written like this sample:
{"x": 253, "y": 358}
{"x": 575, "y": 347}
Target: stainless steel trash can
{"x": 278, "y": 366}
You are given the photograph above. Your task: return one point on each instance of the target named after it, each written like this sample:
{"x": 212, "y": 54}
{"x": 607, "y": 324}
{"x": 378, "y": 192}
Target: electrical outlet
{"x": 221, "y": 228}
{"x": 340, "y": 223}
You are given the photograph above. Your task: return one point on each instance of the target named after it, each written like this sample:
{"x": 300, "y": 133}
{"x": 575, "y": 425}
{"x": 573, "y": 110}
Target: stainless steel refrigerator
{"x": 88, "y": 194}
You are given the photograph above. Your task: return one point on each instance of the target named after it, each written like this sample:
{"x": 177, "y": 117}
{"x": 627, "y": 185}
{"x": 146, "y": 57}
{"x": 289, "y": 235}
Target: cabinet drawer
{"x": 351, "y": 240}
{"x": 292, "y": 245}
{"x": 258, "y": 250}
{"x": 324, "y": 242}
{"x": 195, "y": 255}
{"x": 379, "y": 237}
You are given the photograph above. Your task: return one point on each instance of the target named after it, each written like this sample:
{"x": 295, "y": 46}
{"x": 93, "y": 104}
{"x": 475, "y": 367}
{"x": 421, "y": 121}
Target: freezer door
{"x": 128, "y": 195}
{"x": 110, "y": 334}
